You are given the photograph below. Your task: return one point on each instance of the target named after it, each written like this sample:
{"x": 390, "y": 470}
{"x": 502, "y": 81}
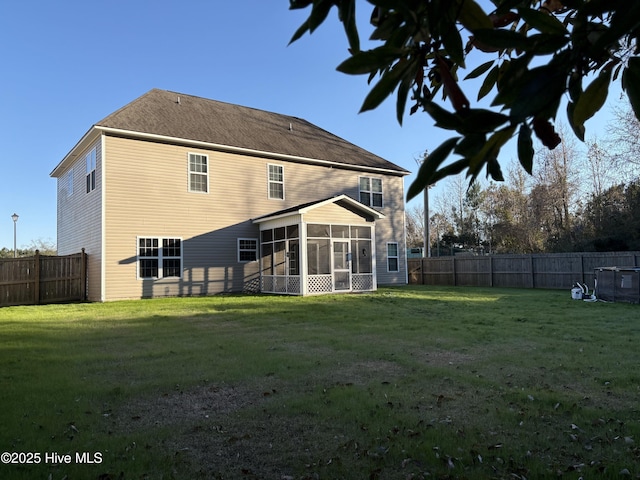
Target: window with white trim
{"x": 247, "y": 250}
{"x": 393, "y": 259}
{"x": 90, "y": 160}
{"x": 276, "y": 181}
{"x": 159, "y": 257}
{"x": 371, "y": 191}
{"x": 198, "y": 173}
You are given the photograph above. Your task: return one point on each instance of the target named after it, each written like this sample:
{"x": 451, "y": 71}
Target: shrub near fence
{"x": 43, "y": 279}
{"x": 552, "y": 270}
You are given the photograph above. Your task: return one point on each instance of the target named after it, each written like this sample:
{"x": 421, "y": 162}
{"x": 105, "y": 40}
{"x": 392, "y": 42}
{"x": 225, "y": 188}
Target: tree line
{"x": 574, "y": 200}
{"x": 45, "y": 247}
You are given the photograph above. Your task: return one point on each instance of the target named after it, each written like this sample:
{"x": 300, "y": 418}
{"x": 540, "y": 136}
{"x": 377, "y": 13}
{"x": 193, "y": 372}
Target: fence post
{"x": 491, "y": 270}
{"x": 36, "y": 275}
{"x": 453, "y": 270}
{"x": 83, "y": 276}
{"x": 533, "y": 277}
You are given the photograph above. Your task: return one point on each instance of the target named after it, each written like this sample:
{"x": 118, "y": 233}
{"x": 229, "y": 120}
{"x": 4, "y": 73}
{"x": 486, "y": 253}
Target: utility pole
{"x": 426, "y": 251}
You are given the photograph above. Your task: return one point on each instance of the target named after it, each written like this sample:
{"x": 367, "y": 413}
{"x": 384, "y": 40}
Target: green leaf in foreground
{"x": 631, "y": 83}
{"x": 453, "y": 45}
{"x": 503, "y": 39}
{"x": 473, "y": 17}
{"x": 369, "y": 61}
{"x": 387, "y": 84}
{"x": 490, "y": 151}
{"x": 493, "y": 169}
{"x": 525, "y": 148}
{"x": 444, "y": 119}
{"x": 538, "y": 94}
{"x": 348, "y": 16}
{"x": 480, "y": 70}
{"x": 578, "y": 129}
{"x": 489, "y": 82}
{"x": 592, "y": 99}
{"x": 452, "y": 169}
{"x": 429, "y": 167}
{"x": 542, "y": 22}
{"x": 480, "y": 120}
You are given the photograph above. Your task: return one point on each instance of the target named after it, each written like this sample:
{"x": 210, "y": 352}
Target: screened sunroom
{"x": 326, "y": 246}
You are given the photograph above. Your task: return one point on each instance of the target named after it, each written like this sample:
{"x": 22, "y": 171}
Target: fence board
{"x": 512, "y": 271}
{"x": 43, "y": 279}
{"x": 554, "y": 270}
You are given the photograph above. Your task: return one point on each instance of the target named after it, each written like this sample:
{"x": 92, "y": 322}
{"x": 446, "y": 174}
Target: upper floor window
{"x": 90, "y": 160}
{"x": 371, "y": 191}
{"x": 198, "y": 173}
{"x": 159, "y": 257}
{"x": 276, "y": 181}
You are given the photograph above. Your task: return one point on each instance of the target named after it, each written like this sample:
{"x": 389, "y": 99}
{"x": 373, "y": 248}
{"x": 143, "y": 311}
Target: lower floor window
{"x": 247, "y": 250}
{"x": 159, "y": 257}
{"x": 393, "y": 264}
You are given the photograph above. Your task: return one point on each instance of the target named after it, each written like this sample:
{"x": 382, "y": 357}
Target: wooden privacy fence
{"x": 552, "y": 270}
{"x": 43, "y": 279}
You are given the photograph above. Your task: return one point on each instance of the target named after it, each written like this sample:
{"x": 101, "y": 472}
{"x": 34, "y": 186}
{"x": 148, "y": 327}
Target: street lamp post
{"x": 14, "y": 217}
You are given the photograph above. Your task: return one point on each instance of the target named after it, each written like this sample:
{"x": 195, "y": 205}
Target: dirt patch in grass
{"x": 202, "y": 431}
{"x": 245, "y": 431}
{"x": 182, "y": 407}
{"x": 362, "y": 373}
{"x": 442, "y": 358}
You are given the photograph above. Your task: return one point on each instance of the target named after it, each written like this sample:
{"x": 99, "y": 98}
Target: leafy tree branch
{"x": 535, "y": 53}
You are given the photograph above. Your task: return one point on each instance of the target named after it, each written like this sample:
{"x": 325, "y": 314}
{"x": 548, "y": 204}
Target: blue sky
{"x": 66, "y": 65}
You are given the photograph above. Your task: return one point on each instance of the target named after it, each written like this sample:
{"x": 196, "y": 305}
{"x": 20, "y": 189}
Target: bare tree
{"x": 555, "y": 190}
{"x": 415, "y": 226}
{"x": 623, "y": 141}
{"x": 599, "y": 167}
{"x": 514, "y": 229}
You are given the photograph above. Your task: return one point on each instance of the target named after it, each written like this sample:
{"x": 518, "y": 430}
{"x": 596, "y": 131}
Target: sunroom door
{"x": 341, "y": 266}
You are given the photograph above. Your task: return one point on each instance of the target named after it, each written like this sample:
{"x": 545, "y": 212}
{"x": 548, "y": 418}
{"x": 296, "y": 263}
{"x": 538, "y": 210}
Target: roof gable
{"x": 343, "y": 200}
{"x": 175, "y": 115}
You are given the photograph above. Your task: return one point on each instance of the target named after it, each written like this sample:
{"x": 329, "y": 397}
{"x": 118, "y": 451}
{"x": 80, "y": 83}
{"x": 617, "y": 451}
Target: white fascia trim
{"x": 301, "y": 211}
{"x": 103, "y": 221}
{"x": 57, "y": 170}
{"x": 347, "y": 199}
{"x": 245, "y": 151}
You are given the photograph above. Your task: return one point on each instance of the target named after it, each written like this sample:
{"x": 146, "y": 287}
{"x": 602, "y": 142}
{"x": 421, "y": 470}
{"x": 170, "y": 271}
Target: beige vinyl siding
{"x": 80, "y": 218}
{"x": 333, "y": 214}
{"x": 391, "y": 229}
{"x": 147, "y": 196}
{"x": 147, "y": 192}
{"x": 281, "y": 222}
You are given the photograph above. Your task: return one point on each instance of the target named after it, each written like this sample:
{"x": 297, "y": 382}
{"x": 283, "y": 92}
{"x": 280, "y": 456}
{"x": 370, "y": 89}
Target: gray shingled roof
{"x": 171, "y": 114}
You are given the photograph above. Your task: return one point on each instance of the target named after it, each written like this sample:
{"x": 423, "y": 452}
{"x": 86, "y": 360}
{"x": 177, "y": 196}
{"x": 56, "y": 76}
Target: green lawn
{"x": 413, "y": 382}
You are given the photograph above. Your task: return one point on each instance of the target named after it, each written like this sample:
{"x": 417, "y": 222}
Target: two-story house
{"x": 180, "y": 195}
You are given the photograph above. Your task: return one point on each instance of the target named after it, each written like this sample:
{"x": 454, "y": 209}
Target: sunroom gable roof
{"x": 343, "y": 200}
